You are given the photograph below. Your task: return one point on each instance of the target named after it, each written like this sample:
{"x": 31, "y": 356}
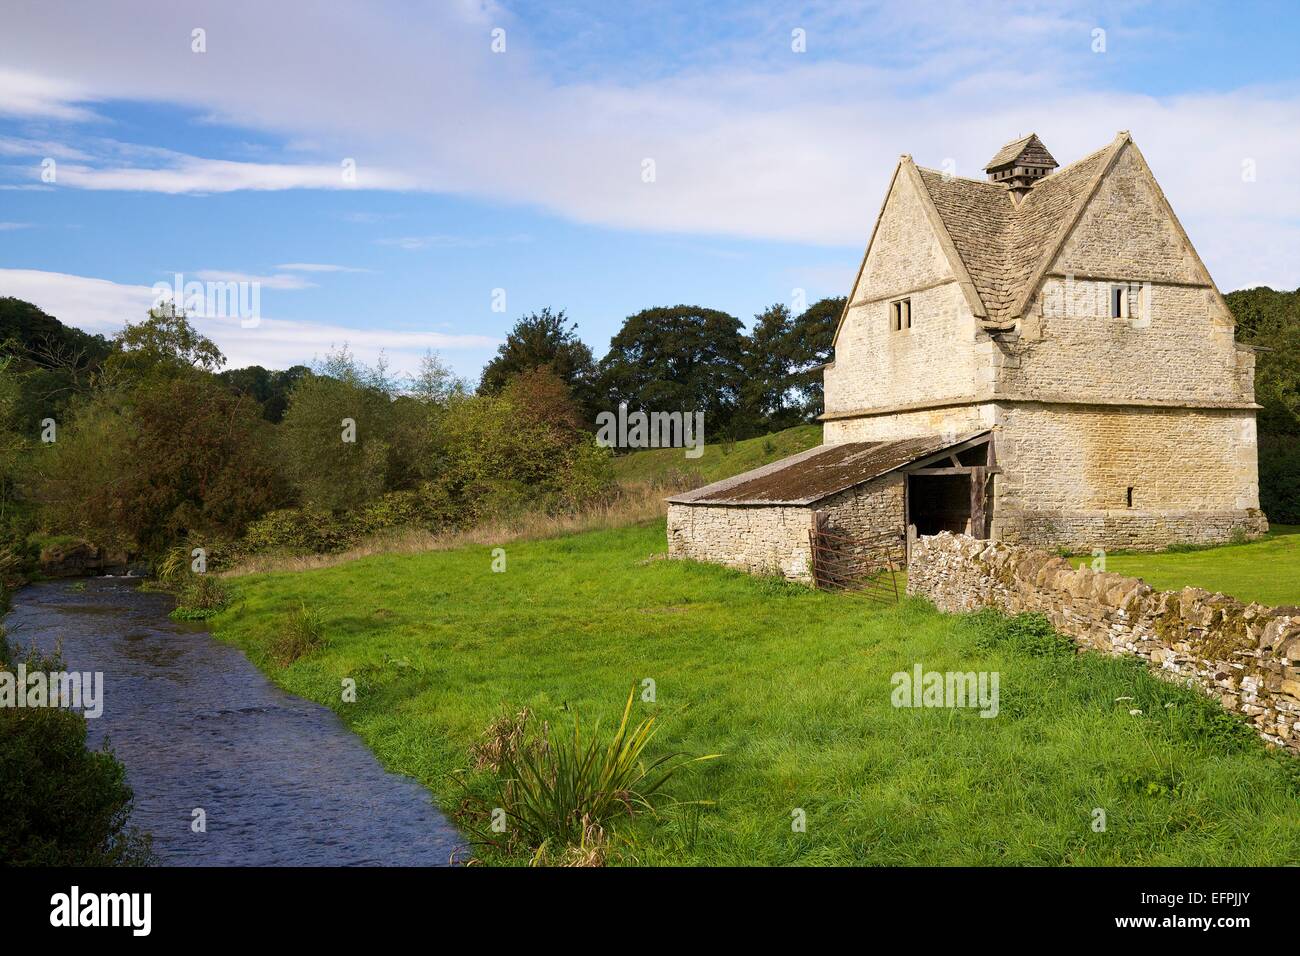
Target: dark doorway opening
{"x": 939, "y": 503}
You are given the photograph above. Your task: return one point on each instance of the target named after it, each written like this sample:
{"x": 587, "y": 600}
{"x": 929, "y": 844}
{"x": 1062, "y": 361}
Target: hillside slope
{"x": 669, "y": 466}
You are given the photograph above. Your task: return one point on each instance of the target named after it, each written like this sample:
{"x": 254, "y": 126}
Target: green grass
{"x": 1267, "y": 570}
{"x": 718, "y": 460}
{"x": 793, "y": 688}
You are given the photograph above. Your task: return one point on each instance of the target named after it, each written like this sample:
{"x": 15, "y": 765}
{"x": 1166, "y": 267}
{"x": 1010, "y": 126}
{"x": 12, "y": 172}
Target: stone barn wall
{"x": 1245, "y": 655}
{"x": 764, "y": 539}
{"x": 1067, "y": 470}
{"x": 773, "y": 539}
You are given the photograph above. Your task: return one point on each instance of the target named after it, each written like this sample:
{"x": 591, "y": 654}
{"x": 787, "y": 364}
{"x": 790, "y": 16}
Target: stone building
{"x": 1039, "y": 357}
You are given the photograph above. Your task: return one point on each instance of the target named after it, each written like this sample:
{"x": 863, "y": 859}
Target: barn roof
{"x": 818, "y": 473}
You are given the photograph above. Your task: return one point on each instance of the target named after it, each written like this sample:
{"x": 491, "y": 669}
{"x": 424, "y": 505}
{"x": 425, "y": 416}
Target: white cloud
{"x": 316, "y": 267}
{"x": 283, "y": 281}
{"x": 192, "y": 174}
{"x": 747, "y": 139}
{"x": 36, "y": 95}
{"x": 416, "y": 243}
{"x": 102, "y": 306}
{"x": 10, "y": 226}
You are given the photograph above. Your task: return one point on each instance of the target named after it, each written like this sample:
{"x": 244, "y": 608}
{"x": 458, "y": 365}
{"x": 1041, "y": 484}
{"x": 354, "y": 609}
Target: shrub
{"x": 298, "y": 531}
{"x": 561, "y": 792}
{"x": 201, "y": 596}
{"x": 64, "y": 805}
{"x": 1279, "y": 478}
{"x": 303, "y": 633}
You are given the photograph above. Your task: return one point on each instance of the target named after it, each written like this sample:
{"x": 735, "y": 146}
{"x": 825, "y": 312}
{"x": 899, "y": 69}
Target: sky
{"x": 410, "y": 176}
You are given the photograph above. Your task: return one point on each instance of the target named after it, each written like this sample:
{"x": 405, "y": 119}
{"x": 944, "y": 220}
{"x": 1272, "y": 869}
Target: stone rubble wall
{"x": 1246, "y": 655}
{"x": 773, "y": 539}
{"x": 762, "y": 540}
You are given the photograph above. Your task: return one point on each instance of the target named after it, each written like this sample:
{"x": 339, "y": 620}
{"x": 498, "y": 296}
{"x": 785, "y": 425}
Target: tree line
{"x": 144, "y": 442}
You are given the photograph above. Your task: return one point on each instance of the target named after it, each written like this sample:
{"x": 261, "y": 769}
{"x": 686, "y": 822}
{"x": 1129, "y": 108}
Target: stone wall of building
{"x": 1246, "y": 655}
{"x": 1174, "y": 346}
{"x": 769, "y": 539}
{"x": 954, "y": 420}
{"x": 773, "y": 539}
{"x": 1126, "y": 231}
{"x": 934, "y": 359}
{"x": 1067, "y": 471}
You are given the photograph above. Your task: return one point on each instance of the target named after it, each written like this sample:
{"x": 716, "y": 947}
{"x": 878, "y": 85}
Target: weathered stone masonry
{"x": 1246, "y": 655}
{"x": 773, "y": 539}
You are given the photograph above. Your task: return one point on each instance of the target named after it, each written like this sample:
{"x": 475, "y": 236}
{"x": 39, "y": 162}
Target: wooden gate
{"x": 868, "y": 567}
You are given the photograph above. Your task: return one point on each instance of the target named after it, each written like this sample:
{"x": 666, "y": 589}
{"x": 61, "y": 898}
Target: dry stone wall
{"x": 1246, "y": 655}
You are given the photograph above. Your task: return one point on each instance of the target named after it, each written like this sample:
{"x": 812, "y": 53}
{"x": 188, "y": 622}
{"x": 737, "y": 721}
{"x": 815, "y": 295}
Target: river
{"x": 281, "y": 780}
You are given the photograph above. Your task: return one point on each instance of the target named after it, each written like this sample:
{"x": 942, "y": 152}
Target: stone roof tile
{"x": 999, "y": 241}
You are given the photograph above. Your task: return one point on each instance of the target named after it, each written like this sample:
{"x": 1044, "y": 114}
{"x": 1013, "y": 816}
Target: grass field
{"x": 719, "y": 460}
{"x": 793, "y": 688}
{"x": 1267, "y": 570}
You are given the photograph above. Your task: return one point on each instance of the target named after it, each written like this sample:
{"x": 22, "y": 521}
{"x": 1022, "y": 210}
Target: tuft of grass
{"x": 201, "y": 596}
{"x": 561, "y": 793}
{"x": 303, "y": 633}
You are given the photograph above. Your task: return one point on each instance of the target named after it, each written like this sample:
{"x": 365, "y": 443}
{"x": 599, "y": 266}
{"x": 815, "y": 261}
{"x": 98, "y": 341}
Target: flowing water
{"x": 281, "y": 780}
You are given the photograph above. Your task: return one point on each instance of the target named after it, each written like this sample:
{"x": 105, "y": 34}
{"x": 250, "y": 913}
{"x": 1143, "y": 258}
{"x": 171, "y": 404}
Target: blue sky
{"x": 522, "y": 170}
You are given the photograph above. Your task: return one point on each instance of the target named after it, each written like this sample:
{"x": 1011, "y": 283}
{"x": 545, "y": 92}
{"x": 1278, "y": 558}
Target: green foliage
{"x": 509, "y": 453}
{"x": 303, "y": 633}
{"x": 162, "y": 346}
{"x": 64, "y": 805}
{"x": 54, "y": 362}
{"x": 1279, "y": 477}
{"x": 560, "y": 789}
{"x": 201, "y": 597}
{"x": 270, "y": 388}
{"x": 543, "y": 340}
{"x": 327, "y": 471}
{"x": 167, "y": 459}
{"x": 1271, "y": 319}
{"x": 1029, "y": 634}
{"x": 680, "y": 359}
{"x": 299, "y": 531}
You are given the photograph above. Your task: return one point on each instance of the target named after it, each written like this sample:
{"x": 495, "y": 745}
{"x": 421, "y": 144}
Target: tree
{"x": 434, "y": 383}
{"x": 543, "y": 339}
{"x": 144, "y": 466}
{"x": 270, "y": 388}
{"x": 163, "y": 345}
{"x": 52, "y": 361}
{"x": 334, "y": 442}
{"x": 765, "y": 402}
{"x": 684, "y": 358}
{"x": 1271, "y": 319}
{"x": 809, "y": 345}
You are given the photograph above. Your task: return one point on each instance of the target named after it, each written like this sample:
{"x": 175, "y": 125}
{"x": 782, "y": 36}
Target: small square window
{"x": 900, "y": 315}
